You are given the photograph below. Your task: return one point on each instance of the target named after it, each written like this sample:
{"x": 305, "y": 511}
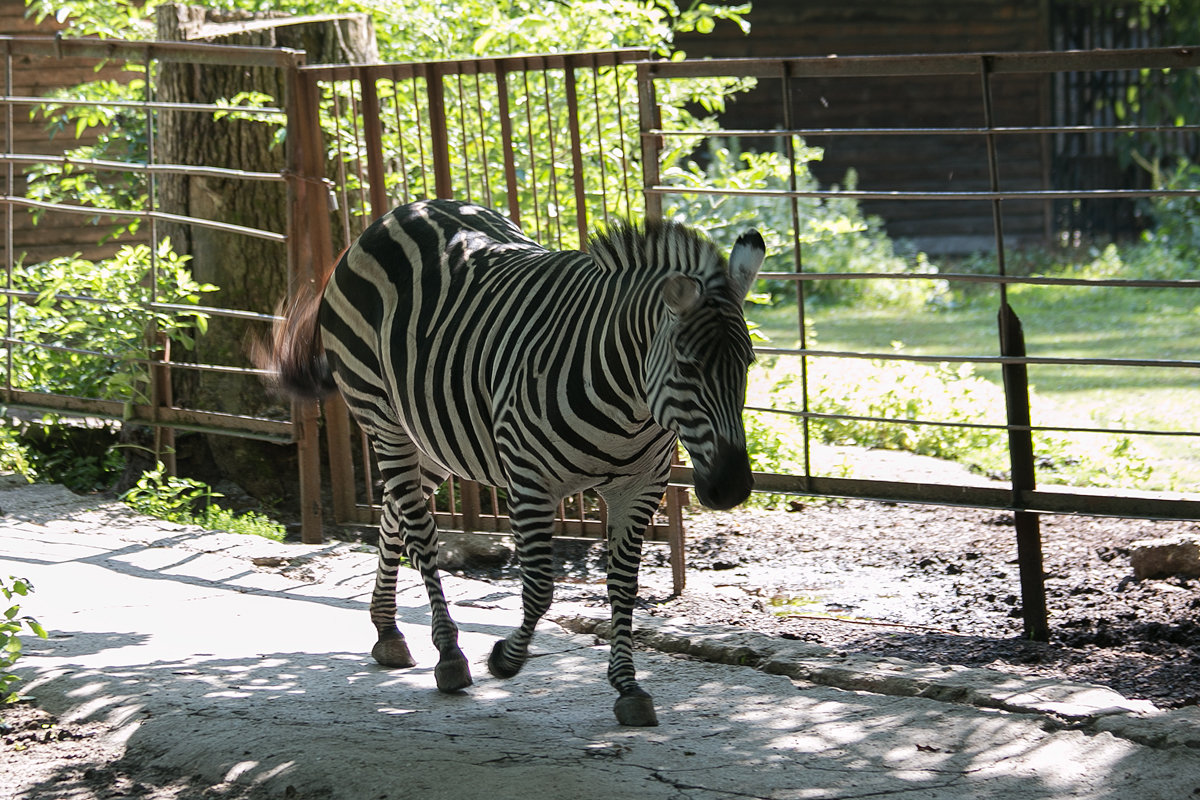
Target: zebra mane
{"x": 656, "y": 248}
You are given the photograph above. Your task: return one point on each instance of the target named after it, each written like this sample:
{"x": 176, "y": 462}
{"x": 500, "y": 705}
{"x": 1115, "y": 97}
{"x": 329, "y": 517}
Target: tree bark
{"x": 251, "y": 273}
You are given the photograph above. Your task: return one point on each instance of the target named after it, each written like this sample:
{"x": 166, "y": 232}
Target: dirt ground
{"x": 933, "y": 584}
{"x": 928, "y": 584}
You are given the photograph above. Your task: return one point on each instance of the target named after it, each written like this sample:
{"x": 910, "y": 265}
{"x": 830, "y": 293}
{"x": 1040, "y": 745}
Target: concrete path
{"x": 243, "y": 661}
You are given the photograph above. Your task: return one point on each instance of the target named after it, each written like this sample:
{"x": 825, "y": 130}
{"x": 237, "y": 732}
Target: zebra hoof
{"x": 452, "y": 674}
{"x": 392, "y": 652}
{"x": 499, "y": 665}
{"x": 636, "y": 709}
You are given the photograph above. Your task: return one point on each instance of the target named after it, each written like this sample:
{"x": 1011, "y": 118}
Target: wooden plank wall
{"x": 783, "y": 28}
{"x": 56, "y": 234}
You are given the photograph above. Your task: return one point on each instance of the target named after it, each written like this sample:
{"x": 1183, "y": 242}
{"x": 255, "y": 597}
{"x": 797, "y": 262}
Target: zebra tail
{"x": 294, "y": 356}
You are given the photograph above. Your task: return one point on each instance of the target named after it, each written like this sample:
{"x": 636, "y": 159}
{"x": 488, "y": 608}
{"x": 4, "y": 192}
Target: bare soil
{"x": 931, "y": 584}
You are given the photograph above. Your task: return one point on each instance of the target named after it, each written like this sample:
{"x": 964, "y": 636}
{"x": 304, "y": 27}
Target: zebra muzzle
{"x": 727, "y": 481}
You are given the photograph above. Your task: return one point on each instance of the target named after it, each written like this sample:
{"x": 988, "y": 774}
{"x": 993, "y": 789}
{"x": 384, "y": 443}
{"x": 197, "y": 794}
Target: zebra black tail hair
{"x": 294, "y": 356}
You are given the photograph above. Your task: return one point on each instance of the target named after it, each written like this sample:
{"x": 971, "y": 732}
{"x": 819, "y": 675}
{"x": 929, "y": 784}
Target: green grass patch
{"x": 1060, "y": 322}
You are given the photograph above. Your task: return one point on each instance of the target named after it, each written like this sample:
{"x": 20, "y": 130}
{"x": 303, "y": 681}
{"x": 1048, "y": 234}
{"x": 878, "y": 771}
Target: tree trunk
{"x": 251, "y": 273}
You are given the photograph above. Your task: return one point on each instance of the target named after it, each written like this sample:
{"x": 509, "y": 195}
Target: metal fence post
{"x": 1020, "y": 450}
{"x": 1016, "y": 399}
{"x": 309, "y": 244}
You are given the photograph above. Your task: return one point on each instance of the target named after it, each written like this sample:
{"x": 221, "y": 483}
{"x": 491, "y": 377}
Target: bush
{"x": 930, "y": 392}
{"x": 834, "y": 236}
{"x": 92, "y": 320}
{"x": 11, "y": 626}
{"x": 191, "y": 502}
{"x": 1177, "y": 218}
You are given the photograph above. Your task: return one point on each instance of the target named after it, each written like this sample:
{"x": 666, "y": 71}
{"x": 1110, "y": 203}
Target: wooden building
{"x": 786, "y": 28}
{"x": 54, "y": 234}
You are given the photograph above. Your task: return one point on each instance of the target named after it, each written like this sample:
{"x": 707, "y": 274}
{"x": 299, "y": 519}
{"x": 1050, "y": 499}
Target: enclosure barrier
{"x": 531, "y": 135}
{"x": 136, "y": 379}
{"x": 1027, "y": 75}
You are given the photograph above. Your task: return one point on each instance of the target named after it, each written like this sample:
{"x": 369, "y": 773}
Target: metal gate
{"x": 133, "y": 375}
{"x": 532, "y": 135}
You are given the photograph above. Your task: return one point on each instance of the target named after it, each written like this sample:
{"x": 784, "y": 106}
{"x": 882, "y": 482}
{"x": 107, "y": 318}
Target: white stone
{"x": 1175, "y": 555}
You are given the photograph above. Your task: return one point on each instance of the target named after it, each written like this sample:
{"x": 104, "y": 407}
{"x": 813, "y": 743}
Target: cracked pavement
{"x": 244, "y": 663}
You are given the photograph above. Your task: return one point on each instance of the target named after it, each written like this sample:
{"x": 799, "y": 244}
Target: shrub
{"x": 834, "y": 235}
{"x": 191, "y": 502}
{"x": 11, "y": 626}
{"x": 930, "y": 392}
{"x": 92, "y": 320}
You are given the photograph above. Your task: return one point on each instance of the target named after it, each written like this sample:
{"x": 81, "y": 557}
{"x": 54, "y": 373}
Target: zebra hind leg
{"x": 532, "y": 517}
{"x": 408, "y": 527}
{"x": 390, "y": 650}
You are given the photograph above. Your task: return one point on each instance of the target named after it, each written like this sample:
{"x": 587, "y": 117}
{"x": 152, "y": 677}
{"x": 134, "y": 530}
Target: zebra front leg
{"x": 626, "y": 529}
{"x": 532, "y": 526}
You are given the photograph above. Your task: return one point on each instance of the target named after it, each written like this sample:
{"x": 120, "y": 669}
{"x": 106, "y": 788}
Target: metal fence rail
{"x": 528, "y": 134}
{"x": 145, "y": 397}
{"x": 985, "y": 125}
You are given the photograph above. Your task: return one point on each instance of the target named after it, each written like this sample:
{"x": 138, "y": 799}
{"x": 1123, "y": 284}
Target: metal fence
{"x": 564, "y": 142}
{"x": 996, "y": 141}
{"x": 113, "y": 342}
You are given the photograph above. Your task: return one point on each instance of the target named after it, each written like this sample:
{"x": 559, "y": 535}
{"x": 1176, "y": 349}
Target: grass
{"x": 1061, "y": 322}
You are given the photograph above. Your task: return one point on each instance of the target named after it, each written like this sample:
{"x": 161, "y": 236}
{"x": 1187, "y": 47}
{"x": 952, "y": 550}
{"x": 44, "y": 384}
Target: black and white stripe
{"x": 463, "y": 347}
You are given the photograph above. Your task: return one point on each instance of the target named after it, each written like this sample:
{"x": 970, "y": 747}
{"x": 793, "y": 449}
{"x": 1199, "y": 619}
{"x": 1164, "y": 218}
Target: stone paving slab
{"x": 244, "y": 661}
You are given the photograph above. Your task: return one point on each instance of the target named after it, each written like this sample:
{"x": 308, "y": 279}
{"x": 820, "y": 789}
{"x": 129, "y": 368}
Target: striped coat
{"x": 463, "y": 347}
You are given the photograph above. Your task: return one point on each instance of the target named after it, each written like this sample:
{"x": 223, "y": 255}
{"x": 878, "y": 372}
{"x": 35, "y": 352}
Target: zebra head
{"x": 696, "y": 375}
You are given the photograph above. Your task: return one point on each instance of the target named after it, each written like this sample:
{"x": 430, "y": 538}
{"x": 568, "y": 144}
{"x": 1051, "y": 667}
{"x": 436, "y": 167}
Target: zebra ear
{"x": 745, "y": 259}
{"x": 680, "y": 293}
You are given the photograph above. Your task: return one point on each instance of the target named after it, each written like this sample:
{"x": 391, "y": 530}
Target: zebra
{"x": 463, "y": 347}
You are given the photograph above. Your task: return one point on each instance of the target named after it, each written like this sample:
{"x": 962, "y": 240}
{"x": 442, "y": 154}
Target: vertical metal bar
{"x": 373, "y": 142}
{"x": 483, "y": 148}
{"x": 533, "y": 184}
{"x": 550, "y": 126}
{"x": 798, "y": 260}
{"x": 676, "y": 542}
{"x": 648, "y": 120}
{"x": 396, "y": 97}
{"x": 359, "y": 144}
{"x": 364, "y": 445}
{"x": 600, "y": 154}
{"x": 439, "y": 136}
{"x": 161, "y": 393}
{"x": 9, "y": 239}
{"x": 506, "y": 140}
{"x": 1016, "y": 397}
{"x": 462, "y": 137}
{"x": 420, "y": 134}
{"x": 309, "y": 245}
{"x": 645, "y": 85}
{"x": 1020, "y": 449}
{"x": 342, "y": 183}
{"x": 469, "y": 495}
{"x": 162, "y": 396}
{"x": 581, "y": 214}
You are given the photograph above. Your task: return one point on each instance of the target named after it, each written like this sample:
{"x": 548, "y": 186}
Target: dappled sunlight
{"x": 245, "y": 676}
